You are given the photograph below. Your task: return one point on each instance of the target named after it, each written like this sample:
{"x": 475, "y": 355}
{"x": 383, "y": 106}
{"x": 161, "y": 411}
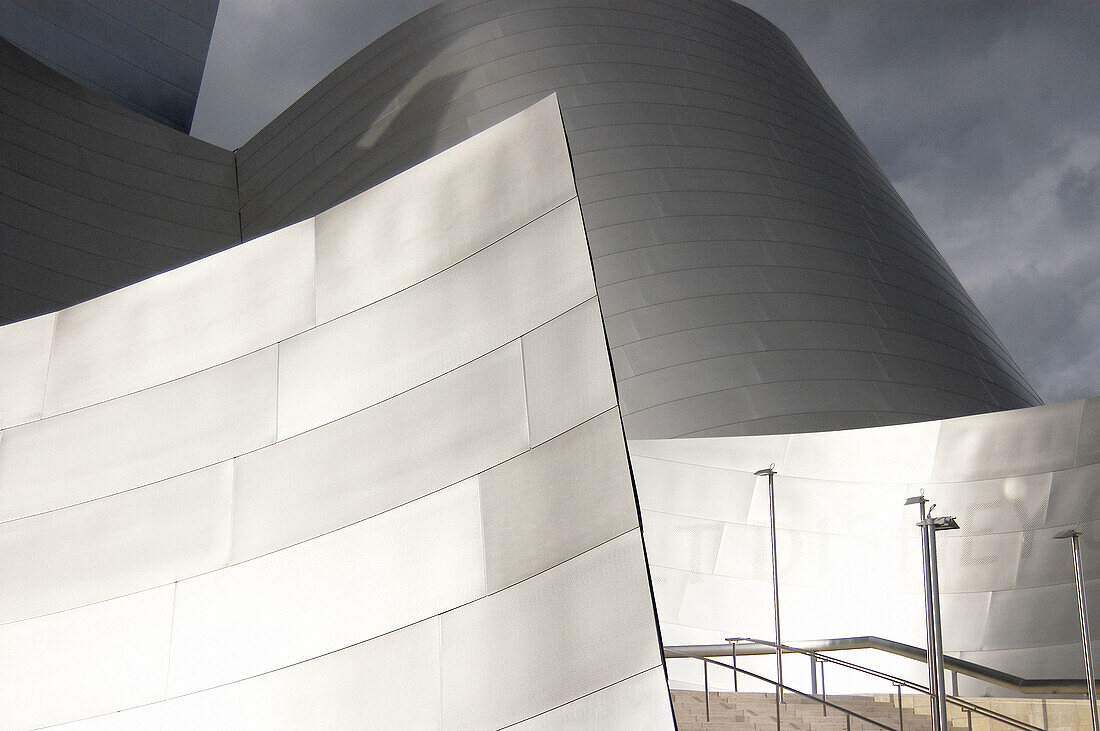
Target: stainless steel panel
{"x": 325, "y": 594}
{"x": 638, "y": 702}
{"x": 688, "y": 544}
{"x": 24, "y": 358}
{"x": 183, "y": 321}
{"x": 556, "y": 501}
{"x": 744, "y": 454}
{"x": 116, "y": 545}
{"x": 87, "y": 661}
{"x": 1088, "y": 447}
{"x": 567, "y": 372}
{"x": 681, "y": 488}
{"x": 1073, "y": 496}
{"x": 668, "y": 152}
{"x": 419, "y": 333}
{"x": 435, "y": 435}
{"x": 140, "y": 438}
{"x": 442, "y": 211}
{"x": 496, "y": 651}
{"x": 1008, "y": 443}
{"x": 389, "y": 682}
{"x": 888, "y": 454}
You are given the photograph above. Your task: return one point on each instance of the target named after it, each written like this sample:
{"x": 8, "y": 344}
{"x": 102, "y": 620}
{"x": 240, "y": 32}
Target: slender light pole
{"x": 770, "y": 472}
{"x": 933, "y": 621}
{"x": 1082, "y": 611}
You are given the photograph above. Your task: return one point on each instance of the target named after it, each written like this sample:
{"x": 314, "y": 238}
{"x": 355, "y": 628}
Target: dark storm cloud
{"x": 986, "y": 116}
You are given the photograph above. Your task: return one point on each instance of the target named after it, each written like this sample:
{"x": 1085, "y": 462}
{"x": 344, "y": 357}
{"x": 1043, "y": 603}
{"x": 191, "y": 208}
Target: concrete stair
{"x": 756, "y": 712}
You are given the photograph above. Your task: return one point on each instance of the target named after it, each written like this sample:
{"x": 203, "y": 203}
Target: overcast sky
{"x": 986, "y": 117}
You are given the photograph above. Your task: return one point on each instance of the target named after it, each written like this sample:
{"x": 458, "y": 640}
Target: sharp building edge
{"x": 284, "y": 487}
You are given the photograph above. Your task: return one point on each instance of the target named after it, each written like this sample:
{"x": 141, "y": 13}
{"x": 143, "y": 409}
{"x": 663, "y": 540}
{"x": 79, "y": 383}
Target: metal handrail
{"x": 786, "y": 688}
{"x": 955, "y": 700}
{"x": 1053, "y": 686}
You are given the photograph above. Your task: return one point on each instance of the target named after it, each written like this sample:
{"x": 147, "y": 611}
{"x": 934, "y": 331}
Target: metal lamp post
{"x": 933, "y": 623}
{"x": 770, "y": 472}
{"x": 1082, "y": 611}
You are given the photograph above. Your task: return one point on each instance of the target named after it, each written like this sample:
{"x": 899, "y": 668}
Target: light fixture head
{"x": 916, "y": 499}
{"x": 945, "y": 522}
{"x": 1068, "y": 533}
{"x": 766, "y": 471}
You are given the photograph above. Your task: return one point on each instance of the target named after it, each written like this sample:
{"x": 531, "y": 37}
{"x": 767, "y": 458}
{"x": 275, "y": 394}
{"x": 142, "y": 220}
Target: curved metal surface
{"x": 205, "y": 526}
{"x": 849, "y": 549}
{"x": 757, "y": 272}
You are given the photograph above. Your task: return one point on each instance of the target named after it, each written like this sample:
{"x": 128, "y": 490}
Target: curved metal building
{"x": 757, "y": 272}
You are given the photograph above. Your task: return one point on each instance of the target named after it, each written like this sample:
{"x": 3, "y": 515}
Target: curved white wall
{"x": 849, "y": 551}
{"x": 365, "y": 470}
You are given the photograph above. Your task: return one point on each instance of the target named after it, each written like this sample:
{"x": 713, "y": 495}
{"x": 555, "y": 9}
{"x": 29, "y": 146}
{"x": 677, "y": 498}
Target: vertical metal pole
{"x": 969, "y": 720}
{"x": 824, "y": 708}
{"x": 706, "y": 689}
{"x": 775, "y": 587}
{"x": 733, "y": 659}
{"x": 901, "y": 715}
{"x": 954, "y": 682}
{"x": 937, "y": 635}
{"x": 929, "y": 624}
{"x": 1086, "y": 641}
{"x": 813, "y": 674}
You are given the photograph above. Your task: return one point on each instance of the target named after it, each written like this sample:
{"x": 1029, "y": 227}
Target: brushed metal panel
{"x": 355, "y": 583}
{"x": 638, "y": 702}
{"x": 745, "y": 454}
{"x": 691, "y": 490}
{"x": 1088, "y": 447}
{"x": 1074, "y": 497}
{"x": 971, "y": 562}
{"x": 116, "y": 545}
{"x": 436, "y": 434}
{"x": 389, "y": 682}
{"x": 890, "y": 454}
{"x": 443, "y": 210}
{"x": 419, "y": 333}
{"x": 567, "y": 372}
{"x": 1008, "y": 443}
{"x": 496, "y": 651}
{"x": 556, "y": 501}
{"x": 688, "y": 544}
{"x": 183, "y": 321}
{"x": 140, "y": 438}
{"x": 24, "y": 358}
{"x": 1045, "y": 615}
{"x": 87, "y": 661}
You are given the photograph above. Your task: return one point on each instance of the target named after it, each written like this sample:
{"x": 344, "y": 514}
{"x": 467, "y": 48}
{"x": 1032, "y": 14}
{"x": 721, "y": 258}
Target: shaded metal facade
{"x": 93, "y": 196}
{"x": 757, "y": 271}
{"x": 147, "y": 56}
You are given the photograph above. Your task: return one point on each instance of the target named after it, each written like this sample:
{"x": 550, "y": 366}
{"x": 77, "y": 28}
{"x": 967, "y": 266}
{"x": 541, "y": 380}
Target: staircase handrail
{"x": 955, "y": 700}
{"x": 1030, "y": 686}
{"x": 776, "y": 684}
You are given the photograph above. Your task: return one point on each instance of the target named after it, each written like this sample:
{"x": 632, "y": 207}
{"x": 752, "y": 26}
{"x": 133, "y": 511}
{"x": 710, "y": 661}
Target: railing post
{"x": 706, "y": 690}
{"x": 733, "y": 659}
{"x": 848, "y": 717}
{"x": 969, "y": 720}
{"x": 901, "y": 713}
{"x": 824, "y": 708}
{"x": 813, "y": 674}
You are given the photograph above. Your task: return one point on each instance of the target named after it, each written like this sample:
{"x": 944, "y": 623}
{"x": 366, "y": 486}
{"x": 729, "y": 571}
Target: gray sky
{"x": 986, "y": 117}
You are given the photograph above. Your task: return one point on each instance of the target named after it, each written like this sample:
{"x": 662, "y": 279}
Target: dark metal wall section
{"x": 93, "y": 196}
{"x": 147, "y": 56}
{"x": 757, "y": 271}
